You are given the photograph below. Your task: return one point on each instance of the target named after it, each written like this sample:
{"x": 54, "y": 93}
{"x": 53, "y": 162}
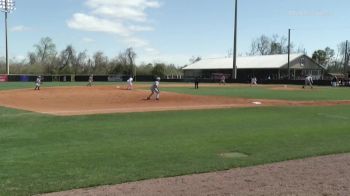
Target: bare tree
{"x": 341, "y": 51}
{"x": 279, "y": 45}
{"x": 45, "y": 49}
{"x": 80, "y": 62}
{"x": 261, "y": 46}
{"x": 131, "y": 55}
{"x": 44, "y": 54}
{"x": 32, "y": 58}
{"x": 101, "y": 63}
{"x": 125, "y": 62}
{"x": 265, "y": 45}
{"x": 67, "y": 58}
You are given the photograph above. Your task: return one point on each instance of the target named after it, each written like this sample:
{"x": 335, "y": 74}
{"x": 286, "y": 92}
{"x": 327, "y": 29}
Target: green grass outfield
{"x": 265, "y": 92}
{"x": 42, "y": 153}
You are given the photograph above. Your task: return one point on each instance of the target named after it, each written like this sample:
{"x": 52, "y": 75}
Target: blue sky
{"x": 173, "y": 31}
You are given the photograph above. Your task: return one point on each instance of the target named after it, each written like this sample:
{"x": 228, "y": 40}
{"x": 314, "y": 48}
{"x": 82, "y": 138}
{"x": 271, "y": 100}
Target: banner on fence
{"x": 3, "y": 78}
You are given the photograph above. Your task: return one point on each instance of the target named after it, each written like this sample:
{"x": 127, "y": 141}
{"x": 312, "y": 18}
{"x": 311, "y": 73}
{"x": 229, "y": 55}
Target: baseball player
{"x": 222, "y": 80}
{"x": 308, "y": 81}
{"x": 253, "y": 81}
{"x": 37, "y": 83}
{"x": 334, "y": 81}
{"x": 196, "y": 82}
{"x": 129, "y": 81}
{"x": 155, "y": 89}
{"x": 91, "y": 79}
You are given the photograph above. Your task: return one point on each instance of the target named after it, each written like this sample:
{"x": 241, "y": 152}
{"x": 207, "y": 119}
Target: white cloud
{"x": 126, "y": 13}
{"x": 123, "y": 18}
{"x": 124, "y": 3}
{"x": 88, "y": 40}
{"x": 136, "y": 42}
{"x": 19, "y": 28}
{"x": 152, "y": 51}
{"x": 85, "y": 22}
{"x": 135, "y": 28}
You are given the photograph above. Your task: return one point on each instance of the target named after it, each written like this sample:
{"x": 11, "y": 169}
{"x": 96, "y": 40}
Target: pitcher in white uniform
{"x": 129, "y": 81}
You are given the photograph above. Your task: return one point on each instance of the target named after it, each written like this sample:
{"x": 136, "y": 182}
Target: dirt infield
{"x": 67, "y": 101}
{"x": 326, "y": 176}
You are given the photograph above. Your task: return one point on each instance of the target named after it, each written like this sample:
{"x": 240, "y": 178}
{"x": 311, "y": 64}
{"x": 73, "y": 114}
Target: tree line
{"x": 45, "y": 59}
{"x": 333, "y": 61}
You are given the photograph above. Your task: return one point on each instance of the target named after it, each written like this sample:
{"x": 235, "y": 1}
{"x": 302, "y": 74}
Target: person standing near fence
{"x": 37, "y": 83}
{"x": 91, "y": 79}
{"x": 196, "y": 82}
{"x": 253, "y": 81}
{"x": 222, "y": 80}
{"x": 334, "y": 81}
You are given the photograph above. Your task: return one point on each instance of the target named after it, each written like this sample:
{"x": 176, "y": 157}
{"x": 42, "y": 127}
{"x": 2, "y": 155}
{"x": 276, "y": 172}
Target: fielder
{"x": 222, "y": 80}
{"x": 334, "y": 81}
{"x": 253, "y": 81}
{"x": 129, "y": 81}
{"x": 155, "y": 89}
{"x": 91, "y": 79}
{"x": 37, "y": 83}
{"x": 308, "y": 81}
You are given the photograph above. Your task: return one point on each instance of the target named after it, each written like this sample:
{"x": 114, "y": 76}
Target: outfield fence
{"x": 147, "y": 78}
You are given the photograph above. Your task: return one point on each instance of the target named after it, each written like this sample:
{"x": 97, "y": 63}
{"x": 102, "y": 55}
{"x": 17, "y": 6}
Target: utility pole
{"x": 288, "y": 54}
{"x": 7, "y": 48}
{"x": 234, "y": 71}
{"x": 346, "y": 59}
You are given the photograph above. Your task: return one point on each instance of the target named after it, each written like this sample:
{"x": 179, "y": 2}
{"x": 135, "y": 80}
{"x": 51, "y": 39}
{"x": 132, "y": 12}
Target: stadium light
{"x": 7, "y": 6}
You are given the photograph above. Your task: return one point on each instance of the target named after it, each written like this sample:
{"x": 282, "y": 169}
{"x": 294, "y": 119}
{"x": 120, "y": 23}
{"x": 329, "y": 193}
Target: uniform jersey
{"x": 155, "y": 87}
{"x": 308, "y": 80}
{"x": 222, "y": 79}
{"x": 38, "y": 82}
{"x": 130, "y": 80}
{"x": 254, "y": 81}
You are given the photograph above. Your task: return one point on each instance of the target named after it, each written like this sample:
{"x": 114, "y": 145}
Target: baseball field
{"x": 69, "y": 136}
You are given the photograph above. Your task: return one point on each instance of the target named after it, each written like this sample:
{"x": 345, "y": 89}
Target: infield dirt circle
{"x": 110, "y": 99}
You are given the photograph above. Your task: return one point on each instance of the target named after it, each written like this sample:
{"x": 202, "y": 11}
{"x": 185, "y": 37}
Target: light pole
{"x": 289, "y": 54}
{"x": 346, "y": 59}
{"x": 7, "y": 6}
{"x": 234, "y": 71}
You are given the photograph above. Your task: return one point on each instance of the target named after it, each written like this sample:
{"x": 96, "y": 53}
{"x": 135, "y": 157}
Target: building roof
{"x": 247, "y": 62}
